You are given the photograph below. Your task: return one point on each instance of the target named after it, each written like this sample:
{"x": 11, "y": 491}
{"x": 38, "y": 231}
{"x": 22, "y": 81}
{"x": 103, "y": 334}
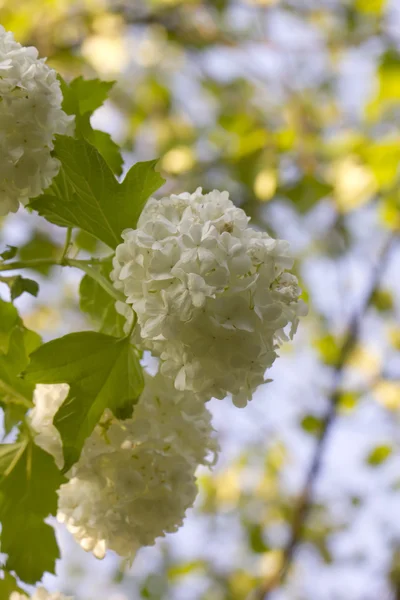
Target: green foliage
{"x": 383, "y": 300}
{"x": 86, "y": 194}
{"x": 18, "y": 285}
{"x": 307, "y": 192}
{"x": 379, "y": 455}
{"x": 81, "y": 98}
{"x": 9, "y": 253}
{"x": 388, "y": 84}
{"x": 99, "y": 305}
{"x": 9, "y": 318}
{"x": 18, "y": 343}
{"x": 84, "y": 96}
{"x": 102, "y": 372}
{"x": 348, "y": 402}
{"x": 181, "y": 570}
{"x": 8, "y": 585}
{"x": 256, "y": 538}
{"x": 328, "y": 349}
{"x": 311, "y": 424}
{"x": 13, "y": 413}
{"x": 26, "y": 499}
{"x": 40, "y": 245}
{"x": 301, "y": 145}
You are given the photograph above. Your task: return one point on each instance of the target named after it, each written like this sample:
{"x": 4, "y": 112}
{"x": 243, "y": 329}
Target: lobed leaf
{"x": 27, "y": 497}
{"x": 99, "y": 305}
{"x": 102, "y": 372}
{"x": 86, "y": 194}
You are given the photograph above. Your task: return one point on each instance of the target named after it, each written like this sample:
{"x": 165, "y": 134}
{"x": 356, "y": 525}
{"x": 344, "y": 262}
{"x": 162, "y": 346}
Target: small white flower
{"x": 30, "y": 116}
{"x": 47, "y": 400}
{"x": 211, "y": 294}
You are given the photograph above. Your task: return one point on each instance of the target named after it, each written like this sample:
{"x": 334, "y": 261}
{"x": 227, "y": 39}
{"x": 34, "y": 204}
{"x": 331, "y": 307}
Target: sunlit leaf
{"x": 26, "y": 499}
{"x": 102, "y": 372}
{"x": 306, "y": 192}
{"x": 311, "y": 424}
{"x": 86, "y": 194}
{"x": 379, "y": 455}
{"x": 97, "y": 303}
{"x": 81, "y": 98}
{"x": 9, "y": 253}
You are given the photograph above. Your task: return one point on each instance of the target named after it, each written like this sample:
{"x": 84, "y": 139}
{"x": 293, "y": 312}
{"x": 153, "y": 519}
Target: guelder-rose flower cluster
{"x": 212, "y": 295}
{"x": 40, "y": 594}
{"x": 30, "y": 116}
{"x": 135, "y": 479}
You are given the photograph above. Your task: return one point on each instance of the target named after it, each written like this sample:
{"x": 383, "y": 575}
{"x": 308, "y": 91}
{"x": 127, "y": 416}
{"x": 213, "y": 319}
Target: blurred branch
{"x": 305, "y": 500}
{"x": 178, "y": 22}
{"x": 87, "y": 266}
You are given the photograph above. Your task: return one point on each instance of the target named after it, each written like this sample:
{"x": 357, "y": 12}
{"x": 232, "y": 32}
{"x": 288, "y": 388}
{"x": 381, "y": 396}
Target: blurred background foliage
{"x": 294, "y": 107}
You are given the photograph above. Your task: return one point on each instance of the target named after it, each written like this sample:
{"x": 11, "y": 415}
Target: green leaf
{"x": 102, "y": 372}
{"x": 27, "y": 497}
{"x": 9, "y": 253}
{"x": 81, "y": 98}
{"x": 307, "y": 192}
{"x": 85, "y": 95}
{"x": 383, "y": 300}
{"x": 328, "y": 349}
{"x": 109, "y": 149}
{"x": 22, "y": 342}
{"x": 348, "y": 401}
{"x": 40, "y": 246}
{"x": 8, "y": 319}
{"x": 180, "y": 570}
{"x": 85, "y": 241}
{"x": 21, "y": 284}
{"x": 13, "y": 415}
{"x": 99, "y": 305}
{"x": 8, "y": 585}
{"x": 311, "y": 424}
{"x": 86, "y": 194}
{"x": 371, "y": 7}
{"x": 379, "y": 455}
{"x": 256, "y": 539}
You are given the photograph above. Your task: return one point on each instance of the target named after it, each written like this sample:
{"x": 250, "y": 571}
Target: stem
{"x": 305, "y": 500}
{"x": 28, "y": 264}
{"x": 66, "y": 245}
{"x": 84, "y": 265}
{"x": 17, "y": 398}
{"x": 94, "y": 274}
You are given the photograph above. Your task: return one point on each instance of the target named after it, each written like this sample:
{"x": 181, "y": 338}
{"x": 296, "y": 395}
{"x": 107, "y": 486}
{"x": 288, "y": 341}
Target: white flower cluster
{"x": 40, "y": 594}
{"x": 47, "y": 400}
{"x": 211, "y": 294}
{"x": 30, "y": 116}
{"x": 136, "y": 478}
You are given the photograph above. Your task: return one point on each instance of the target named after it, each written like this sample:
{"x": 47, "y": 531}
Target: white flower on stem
{"x": 30, "y": 116}
{"x": 135, "y": 479}
{"x": 211, "y": 294}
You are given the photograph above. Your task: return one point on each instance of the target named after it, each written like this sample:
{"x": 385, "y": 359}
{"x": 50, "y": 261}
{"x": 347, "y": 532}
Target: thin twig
{"x": 87, "y": 266}
{"x": 66, "y": 245}
{"x": 305, "y": 500}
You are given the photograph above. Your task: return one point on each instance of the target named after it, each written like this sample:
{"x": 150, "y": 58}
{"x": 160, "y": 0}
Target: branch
{"x": 83, "y": 265}
{"x": 305, "y": 500}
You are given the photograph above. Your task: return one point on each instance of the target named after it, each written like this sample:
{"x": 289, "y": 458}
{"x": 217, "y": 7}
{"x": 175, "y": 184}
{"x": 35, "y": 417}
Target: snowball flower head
{"x": 30, "y": 116}
{"x": 211, "y": 294}
{"x": 40, "y": 594}
{"x": 135, "y": 479}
